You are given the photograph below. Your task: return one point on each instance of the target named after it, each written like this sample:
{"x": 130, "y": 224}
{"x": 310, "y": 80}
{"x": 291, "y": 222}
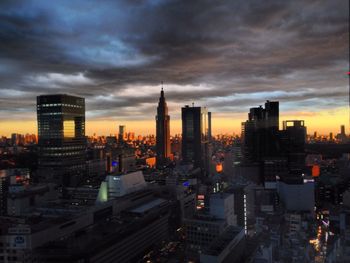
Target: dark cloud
{"x": 115, "y": 53}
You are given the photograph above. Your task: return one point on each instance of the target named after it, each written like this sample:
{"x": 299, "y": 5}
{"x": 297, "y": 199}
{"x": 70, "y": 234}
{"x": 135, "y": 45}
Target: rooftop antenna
{"x": 162, "y": 84}
{"x": 192, "y": 104}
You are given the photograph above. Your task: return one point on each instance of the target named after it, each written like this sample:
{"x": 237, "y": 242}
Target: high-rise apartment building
{"x": 162, "y": 130}
{"x": 61, "y": 138}
{"x": 195, "y": 130}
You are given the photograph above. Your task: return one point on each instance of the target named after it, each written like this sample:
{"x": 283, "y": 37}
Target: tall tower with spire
{"x": 163, "y": 130}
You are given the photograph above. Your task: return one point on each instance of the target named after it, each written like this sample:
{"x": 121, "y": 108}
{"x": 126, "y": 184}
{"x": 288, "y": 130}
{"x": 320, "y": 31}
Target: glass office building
{"x": 195, "y": 136}
{"x": 61, "y": 134}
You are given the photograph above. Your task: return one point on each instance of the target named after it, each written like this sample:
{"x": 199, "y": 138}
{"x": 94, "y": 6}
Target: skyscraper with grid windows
{"x": 61, "y": 138}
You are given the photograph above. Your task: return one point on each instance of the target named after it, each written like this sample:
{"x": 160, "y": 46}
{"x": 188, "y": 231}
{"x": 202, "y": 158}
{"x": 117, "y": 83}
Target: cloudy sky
{"x": 226, "y": 55}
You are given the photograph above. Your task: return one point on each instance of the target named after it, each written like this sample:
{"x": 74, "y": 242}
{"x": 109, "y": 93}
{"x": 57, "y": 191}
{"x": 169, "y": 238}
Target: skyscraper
{"x": 292, "y": 141}
{"x": 195, "y": 129}
{"x": 272, "y": 114}
{"x": 342, "y": 130}
{"x": 162, "y": 130}
{"x": 260, "y": 132}
{"x": 121, "y": 133}
{"x": 342, "y": 137}
{"x": 62, "y": 142}
{"x": 209, "y": 127}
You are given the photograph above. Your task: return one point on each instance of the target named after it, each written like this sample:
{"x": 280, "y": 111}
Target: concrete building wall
{"x": 125, "y": 184}
{"x": 297, "y": 197}
{"x": 222, "y": 207}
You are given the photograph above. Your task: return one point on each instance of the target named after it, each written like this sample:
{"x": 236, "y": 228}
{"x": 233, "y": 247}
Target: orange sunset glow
{"x": 323, "y": 122}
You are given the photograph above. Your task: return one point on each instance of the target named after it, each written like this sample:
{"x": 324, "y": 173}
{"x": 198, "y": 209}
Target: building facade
{"x": 62, "y": 142}
{"x": 195, "y": 139}
{"x": 293, "y": 140}
{"x": 260, "y": 132}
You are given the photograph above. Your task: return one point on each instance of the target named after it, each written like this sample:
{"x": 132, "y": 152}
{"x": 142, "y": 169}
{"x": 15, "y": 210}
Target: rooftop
{"x": 148, "y": 206}
{"x": 221, "y": 242}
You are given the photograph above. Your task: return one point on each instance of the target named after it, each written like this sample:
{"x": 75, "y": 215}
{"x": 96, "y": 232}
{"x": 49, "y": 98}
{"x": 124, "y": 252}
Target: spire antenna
{"x": 162, "y": 85}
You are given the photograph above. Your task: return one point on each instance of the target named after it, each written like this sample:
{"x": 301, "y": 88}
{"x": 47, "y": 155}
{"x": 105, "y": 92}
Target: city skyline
{"x": 219, "y": 125}
{"x": 205, "y": 55}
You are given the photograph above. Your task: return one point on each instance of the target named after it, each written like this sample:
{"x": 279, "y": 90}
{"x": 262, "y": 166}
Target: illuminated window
{"x": 68, "y": 129}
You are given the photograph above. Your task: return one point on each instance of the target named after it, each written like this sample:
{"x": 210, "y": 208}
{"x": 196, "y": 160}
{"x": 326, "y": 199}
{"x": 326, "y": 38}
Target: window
{"x": 69, "y": 129}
